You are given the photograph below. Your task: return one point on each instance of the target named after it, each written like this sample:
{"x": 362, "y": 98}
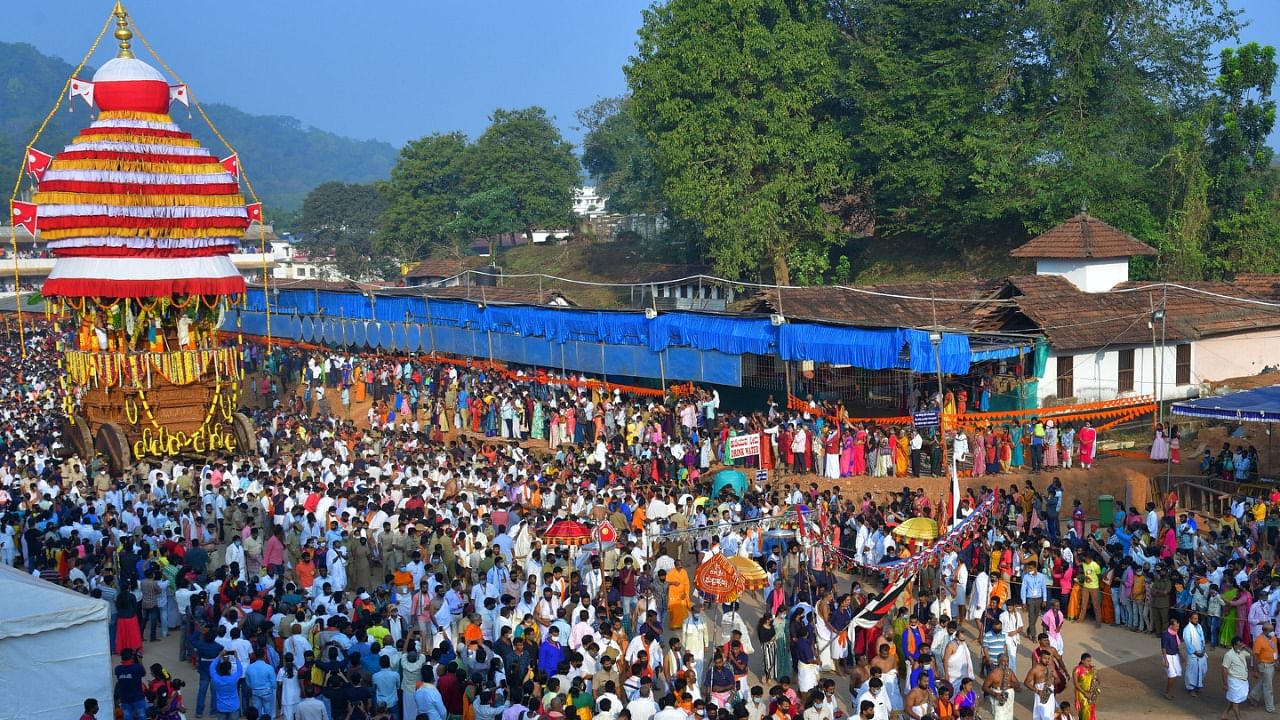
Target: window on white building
{"x": 1124, "y": 379}
{"x": 1182, "y": 365}
{"x": 1066, "y": 376}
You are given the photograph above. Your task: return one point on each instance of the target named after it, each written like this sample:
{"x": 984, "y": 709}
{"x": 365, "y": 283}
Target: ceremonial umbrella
{"x": 719, "y": 579}
{"x": 918, "y": 528}
{"x": 567, "y": 532}
{"x": 753, "y": 576}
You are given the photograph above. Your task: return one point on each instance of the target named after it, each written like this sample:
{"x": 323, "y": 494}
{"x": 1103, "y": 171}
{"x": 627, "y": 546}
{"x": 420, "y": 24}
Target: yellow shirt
{"x": 1260, "y": 512}
{"x": 1091, "y": 573}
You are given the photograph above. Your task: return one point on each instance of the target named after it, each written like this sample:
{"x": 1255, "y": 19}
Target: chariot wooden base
{"x": 129, "y": 423}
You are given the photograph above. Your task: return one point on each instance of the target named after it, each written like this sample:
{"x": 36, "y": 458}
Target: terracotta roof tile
{"x": 442, "y": 267}
{"x": 878, "y": 307}
{"x": 1072, "y": 319}
{"x": 1083, "y": 237}
{"x": 474, "y": 293}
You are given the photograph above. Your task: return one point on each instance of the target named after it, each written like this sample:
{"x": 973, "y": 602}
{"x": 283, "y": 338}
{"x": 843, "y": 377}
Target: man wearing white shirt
{"x": 1012, "y": 625}
{"x": 1197, "y": 663}
{"x": 877, "y": 696}
{"x": 643, "y": 707}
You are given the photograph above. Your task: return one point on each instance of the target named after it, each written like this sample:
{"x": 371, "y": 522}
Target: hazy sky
{"x": 389, "y": 69}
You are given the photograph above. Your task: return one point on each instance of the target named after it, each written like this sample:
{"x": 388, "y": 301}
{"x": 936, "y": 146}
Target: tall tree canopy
{"x": 341, "y": 221}
{"x": 621, "y": 157}
{"x": 523, "y": 158}
{"x": 422, "y": 195}
{"x": 737, "y": 98}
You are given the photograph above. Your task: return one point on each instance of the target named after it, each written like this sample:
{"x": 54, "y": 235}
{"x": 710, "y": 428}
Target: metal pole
{"x": 1168, "y": 459}
{"x": 937, "y": 366}
{"x": 488, "y": 334}
{"x": 431, "y": 330}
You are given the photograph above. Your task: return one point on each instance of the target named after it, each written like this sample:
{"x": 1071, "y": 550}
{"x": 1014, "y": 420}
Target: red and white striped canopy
{"x": 134, "y": 207}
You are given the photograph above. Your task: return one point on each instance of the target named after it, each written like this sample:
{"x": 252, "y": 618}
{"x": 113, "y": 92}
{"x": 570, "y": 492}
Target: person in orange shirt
{"x": 1265, "y": 655}
{"x": 473, "y": 633}
{"x": 306, "y": 571}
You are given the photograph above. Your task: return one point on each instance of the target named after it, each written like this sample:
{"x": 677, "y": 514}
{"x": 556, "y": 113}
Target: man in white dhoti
{"x": 1039, "y": 681}
{"x": 979, "y": 596}
{"x": 1235, "y": 676}
{"x": 999, "y": 687}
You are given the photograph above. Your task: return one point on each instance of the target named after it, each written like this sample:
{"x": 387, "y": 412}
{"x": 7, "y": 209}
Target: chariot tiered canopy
{"x": 142, "y": 221}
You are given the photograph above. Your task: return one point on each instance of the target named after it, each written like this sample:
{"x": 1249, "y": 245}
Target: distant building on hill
{"x": 588, "y": 203}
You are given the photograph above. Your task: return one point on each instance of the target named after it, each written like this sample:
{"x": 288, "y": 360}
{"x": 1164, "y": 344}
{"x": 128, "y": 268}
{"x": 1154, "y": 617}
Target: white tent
{"x": 54, "y": 650}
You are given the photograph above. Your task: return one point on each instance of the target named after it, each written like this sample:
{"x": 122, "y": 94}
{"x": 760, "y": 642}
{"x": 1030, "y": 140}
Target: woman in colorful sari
{"x": 847, "y": 454}
{"x": 1015, "y": 441}
{"x": 1240, "y": 605}
{"x": 726, "y": 433}
{"x": 858, "y": 468}
{"x": 1050, "y": 444}
{"x": 1230, "y": 596}
{"x": 993, "y": 457}
{"x": 978, "y": 443}
{"x": 476, "y": 409}
{"x": 536, "y": 430}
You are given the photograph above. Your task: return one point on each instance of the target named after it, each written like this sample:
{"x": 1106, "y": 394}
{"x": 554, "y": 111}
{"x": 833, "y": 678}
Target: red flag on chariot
{"x": 37, "y": 163}
{"x": 24, "y": 215}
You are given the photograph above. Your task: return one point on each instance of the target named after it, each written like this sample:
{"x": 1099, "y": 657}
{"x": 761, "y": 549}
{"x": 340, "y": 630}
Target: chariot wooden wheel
{"x": 79, "y": 439}
{"x": 114, "y": 446}
{"x": 245, "y": 433}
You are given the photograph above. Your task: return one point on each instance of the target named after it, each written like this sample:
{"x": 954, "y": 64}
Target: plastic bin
{"x": 1106, "y": 510}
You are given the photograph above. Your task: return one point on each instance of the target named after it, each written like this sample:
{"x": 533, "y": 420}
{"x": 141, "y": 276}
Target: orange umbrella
{"x": 719, "y": 578}
{"x": 567, "y": 532}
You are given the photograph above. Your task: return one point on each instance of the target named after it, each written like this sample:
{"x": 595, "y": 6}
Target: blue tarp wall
{"x": 675, "y": 345}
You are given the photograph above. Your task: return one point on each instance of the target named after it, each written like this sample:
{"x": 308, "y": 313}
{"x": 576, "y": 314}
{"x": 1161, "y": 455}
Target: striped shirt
{"x": 994, "y": 643}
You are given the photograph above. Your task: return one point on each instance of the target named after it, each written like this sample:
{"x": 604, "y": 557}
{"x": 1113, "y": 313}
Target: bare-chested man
{"x": 1039, "y": 681}
{"x": 920, "y": 702}
{"x": 888, "y": 666}
{"x": 999, "y": 687}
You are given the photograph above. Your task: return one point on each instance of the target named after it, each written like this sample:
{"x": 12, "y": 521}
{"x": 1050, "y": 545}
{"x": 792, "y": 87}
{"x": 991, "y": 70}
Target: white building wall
{"x": 1097, "y": 374}
{"x": 1091, "y": 276}
{"x": 1235, "y": 356}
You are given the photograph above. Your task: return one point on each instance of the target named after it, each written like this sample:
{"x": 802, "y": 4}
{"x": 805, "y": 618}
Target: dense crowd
{"x": 398, "y": 567}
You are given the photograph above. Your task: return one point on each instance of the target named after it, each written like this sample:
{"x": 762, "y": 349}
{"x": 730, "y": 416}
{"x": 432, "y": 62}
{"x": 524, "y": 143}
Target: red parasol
{"x": 718, "y": 578}
{"x": 567, "y": 532}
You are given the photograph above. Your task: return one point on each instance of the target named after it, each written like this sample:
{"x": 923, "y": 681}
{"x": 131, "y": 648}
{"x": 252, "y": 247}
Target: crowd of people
{"x": 395, "y": 565}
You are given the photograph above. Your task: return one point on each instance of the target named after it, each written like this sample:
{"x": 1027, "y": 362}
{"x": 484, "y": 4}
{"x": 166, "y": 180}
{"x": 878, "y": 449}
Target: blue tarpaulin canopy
{"x": 1258, "y": 405}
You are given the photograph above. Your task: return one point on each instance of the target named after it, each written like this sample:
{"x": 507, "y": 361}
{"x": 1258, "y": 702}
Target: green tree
{"x": 1243, "y": 116}
{"x": 422, "y": 196}
{"x": 1243, "y": 185}
{"x": 736, "y": 96}
{"x": 621, "y": 159}
{"x": 523, "y": 158}
{"x": 486, "y": 214}
{"x": 1104, "y": 86}
{"x": 1188, "y": 218}
{"x": 1249, "y": 236}
{"x": 341, "y": 221}
{"x": 336, "y": 213}
{"x": 927, "y": 83}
